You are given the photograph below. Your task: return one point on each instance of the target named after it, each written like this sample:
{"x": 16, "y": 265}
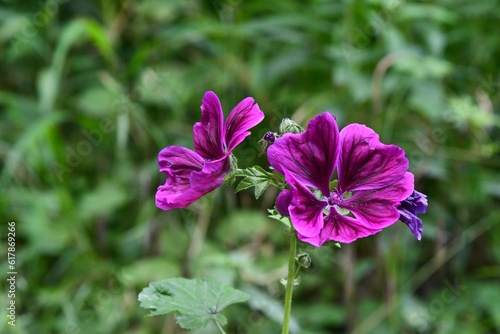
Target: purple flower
{"x": 408, "y": 210}
{"x": 373, "y": 179}
{"x": 192, "y": 174}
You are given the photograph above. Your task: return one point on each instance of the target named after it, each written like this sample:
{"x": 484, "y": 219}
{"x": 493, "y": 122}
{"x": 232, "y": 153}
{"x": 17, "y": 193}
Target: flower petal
{"x": 315, "y": 240}
{"x": 283, "y": 202}
{"x": 365, "y": 163}
{"x": 416, "y": 202}
{"x": 340, "y": 229}
{"x": 312, "y": 155}
{"x": 344, "y": 229}
{"x": 306, "y": 212}
{"x": 412, "y": 221}
{"x": 211, "y": 176}
{"x": 175, "y": 196}
{"x": 377, "y": 209}
{"x": 408, "y": 210}
{"x": 209, "y": 133}
{"x": 243, "y": 117}
{"x": 178, "y": 163}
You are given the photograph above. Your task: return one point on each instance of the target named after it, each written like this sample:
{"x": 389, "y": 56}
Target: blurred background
{"x": 90, "y": 91}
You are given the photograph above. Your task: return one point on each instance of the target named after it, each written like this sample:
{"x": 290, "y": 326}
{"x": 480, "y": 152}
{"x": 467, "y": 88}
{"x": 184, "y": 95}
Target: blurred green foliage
{"x": 90, "y": 91}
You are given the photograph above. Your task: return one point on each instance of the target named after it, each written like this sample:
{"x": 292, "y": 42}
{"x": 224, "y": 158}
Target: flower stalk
{"x": 219, "y": 327}
{"x": 289, "y": 281}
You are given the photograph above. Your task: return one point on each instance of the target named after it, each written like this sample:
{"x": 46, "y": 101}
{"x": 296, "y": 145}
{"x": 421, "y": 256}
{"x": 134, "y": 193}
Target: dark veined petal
{"x": 175, "y": 195}
{"x": 208, "y": 135}
{"x": 339, "y": 228}
{"x": 344, "y": 228}
{"x": 312, "y": 155}
{"x": 211, "y": 176}
{"x": 243, "y": 117}
{"x": 367, "y": 164}
{"x": 412, "y": 221}
{"x": 377, "y": 209}
{"x": 416, "y": 203}
{"x": 283, "y": 202}
{"x": 178, "y": 163}
{"x": 306, "y": 212}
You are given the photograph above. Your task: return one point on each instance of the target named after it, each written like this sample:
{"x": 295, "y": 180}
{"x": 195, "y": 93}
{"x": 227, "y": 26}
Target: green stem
{"x": 219, "y": 327}
{"x": 297, "y": 271}
{"x": 289, "y": 281}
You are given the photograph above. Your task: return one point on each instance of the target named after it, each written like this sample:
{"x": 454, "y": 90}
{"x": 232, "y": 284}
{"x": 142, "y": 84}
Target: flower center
{"x": 335, "y": 198}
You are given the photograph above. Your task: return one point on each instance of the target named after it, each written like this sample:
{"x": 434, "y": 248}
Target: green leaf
{"x": 194, "y": 301}
{"x": 257, "y": 177}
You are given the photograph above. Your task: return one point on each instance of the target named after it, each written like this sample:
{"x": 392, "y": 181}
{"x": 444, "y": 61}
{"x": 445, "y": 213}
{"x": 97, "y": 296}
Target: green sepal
{"x": 334, "y": 184}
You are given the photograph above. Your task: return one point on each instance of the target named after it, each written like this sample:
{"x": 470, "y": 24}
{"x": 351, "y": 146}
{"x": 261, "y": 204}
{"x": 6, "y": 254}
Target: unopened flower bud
{"x": 303, "y": 260}
{"x": 283, "y": 202}
{"x": 289, "y": 126}
{"x": 266, "y": 141}
{"x": 270, "y": 137}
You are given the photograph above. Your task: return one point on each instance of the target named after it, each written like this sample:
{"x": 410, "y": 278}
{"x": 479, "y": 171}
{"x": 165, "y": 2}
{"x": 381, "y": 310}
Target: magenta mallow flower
{"x": 192, "y": 174}
{"x": 416, "y": 203}
{"x": 373, "y": 179}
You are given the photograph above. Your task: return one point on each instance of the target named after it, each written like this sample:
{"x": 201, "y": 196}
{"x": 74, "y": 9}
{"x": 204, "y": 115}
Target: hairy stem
{"x": 289, "y": 281}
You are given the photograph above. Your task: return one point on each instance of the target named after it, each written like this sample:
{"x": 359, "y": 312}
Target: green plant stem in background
{"x": 289, "y": 281}
{"x": 219, "y": 327}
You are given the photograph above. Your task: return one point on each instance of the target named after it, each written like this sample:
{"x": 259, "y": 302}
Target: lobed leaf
{"x": 194, "y": 301}
{"x": 257, "y": 177}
